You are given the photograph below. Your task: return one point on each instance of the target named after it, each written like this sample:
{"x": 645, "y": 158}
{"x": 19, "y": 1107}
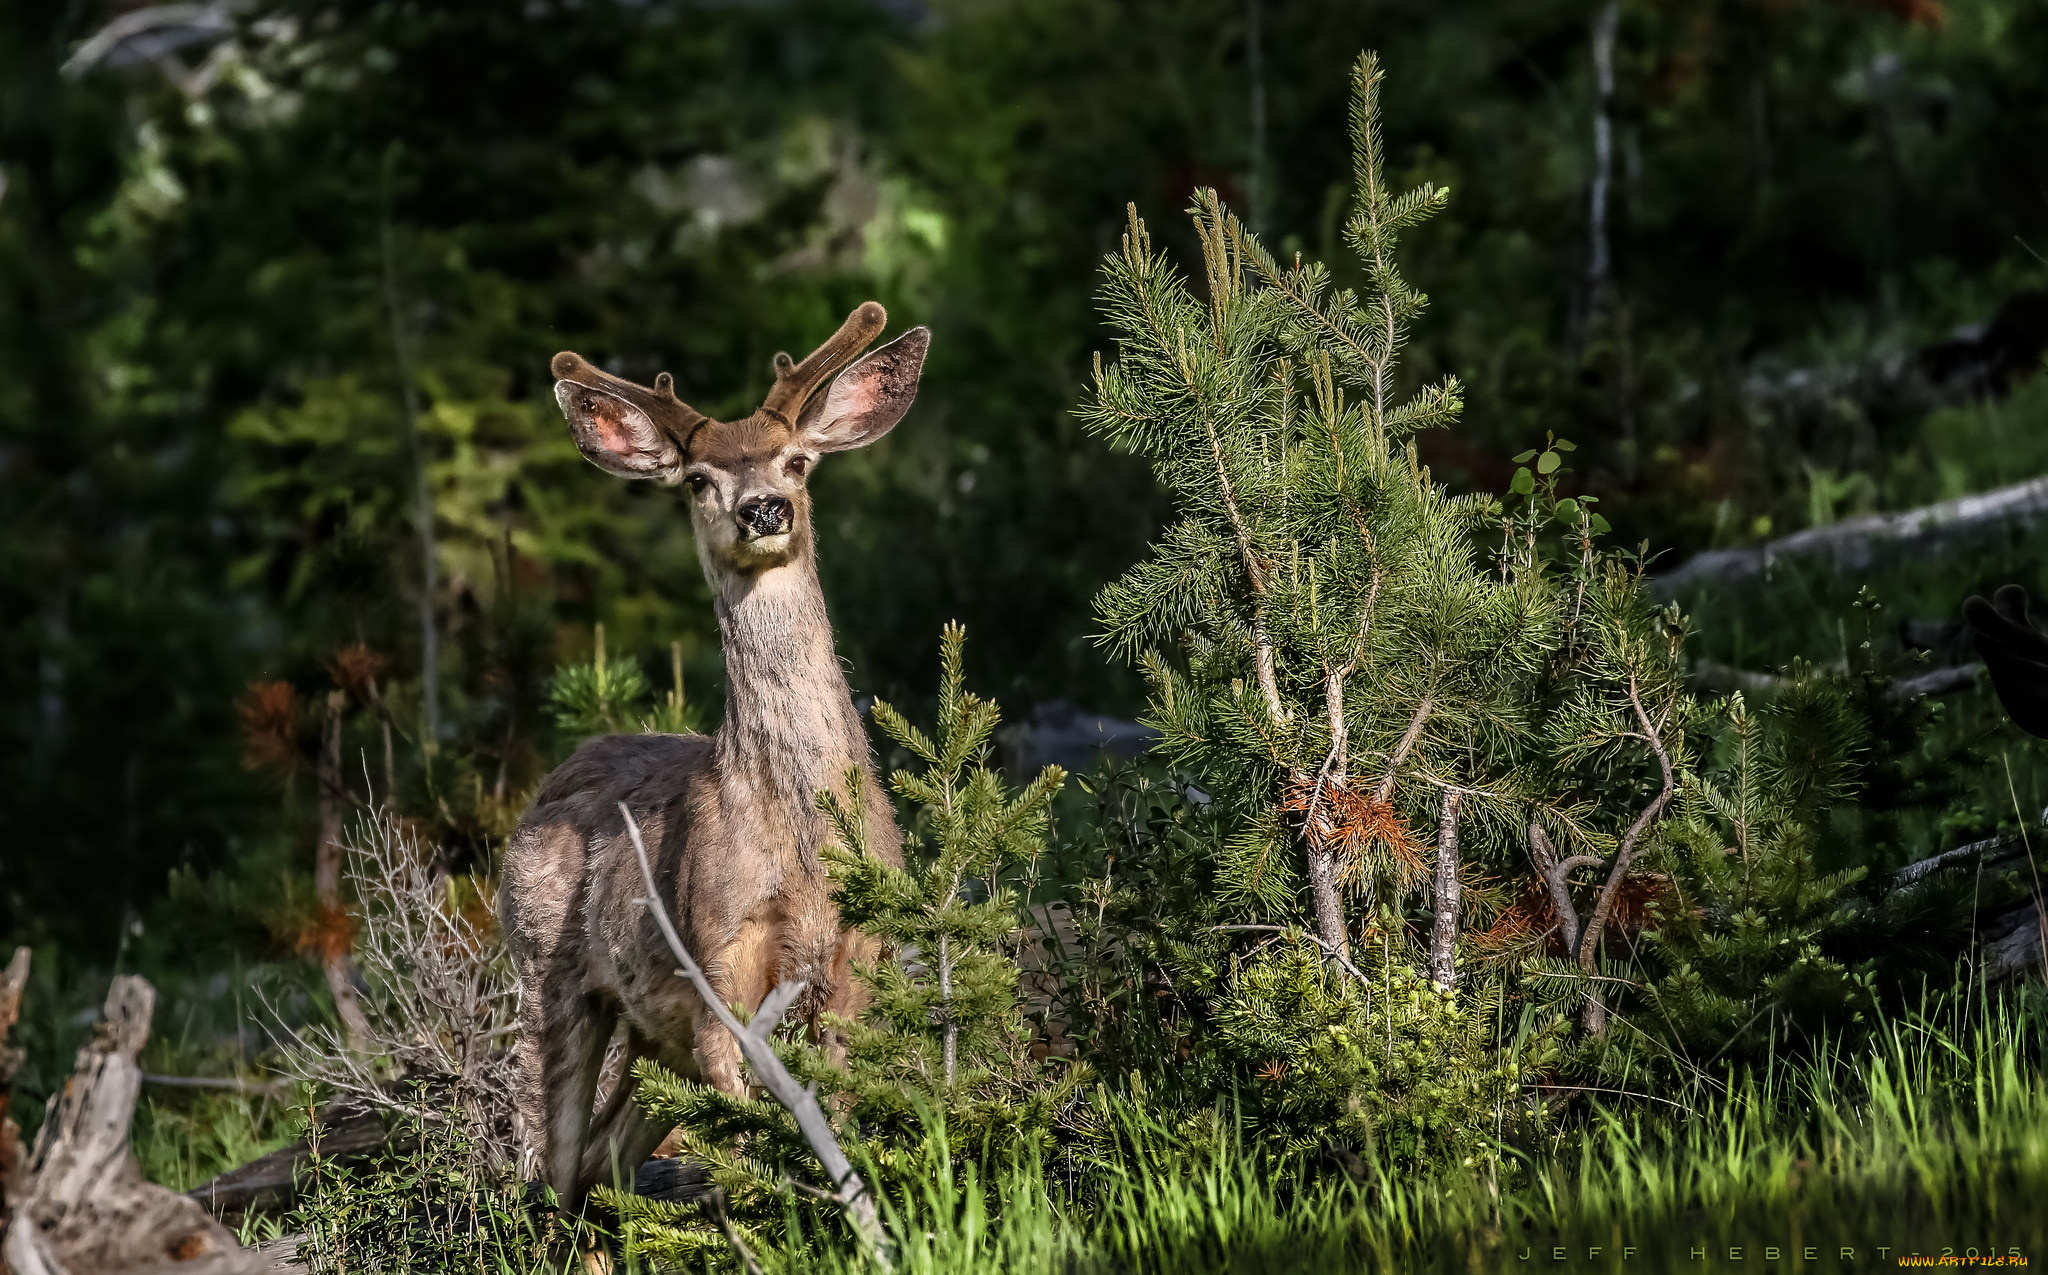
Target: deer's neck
{"x": 790, "y": 727}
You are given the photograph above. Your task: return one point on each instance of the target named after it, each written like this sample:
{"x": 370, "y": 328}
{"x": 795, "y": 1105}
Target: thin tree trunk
{"x": 1255, "y": 67}
{"x": 1599, "y": 259}
{"x": 1327, "y": 903}
{"x": 1324, "y": 898}
{"x": 423, "y": 498}
{"x": 946, "y": 1008}
{"x": 334, "y": 958}
{"x": 1443, "y": 930}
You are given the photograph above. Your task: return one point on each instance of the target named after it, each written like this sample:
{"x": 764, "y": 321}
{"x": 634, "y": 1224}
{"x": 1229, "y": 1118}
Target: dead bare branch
{"x": 801, "y": 1102}
{"x": 1603, "y": 907}
{"x": 440, "y": 1004}
{"x": 1553, "y": 874}
{"x": 1401, "y": 751}
{"x": 1341, "y": 959}
{"x": 229, "y": 1084}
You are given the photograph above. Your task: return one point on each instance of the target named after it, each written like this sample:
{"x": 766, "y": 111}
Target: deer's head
{"x": 746, "y": 479}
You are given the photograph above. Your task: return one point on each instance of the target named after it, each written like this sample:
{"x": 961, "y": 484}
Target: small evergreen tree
{"x": 941, "y": 1062}
{"x": 945, "y": 1030}
{"x": 1741, "y": 933}
{"x": 604, "y": 697}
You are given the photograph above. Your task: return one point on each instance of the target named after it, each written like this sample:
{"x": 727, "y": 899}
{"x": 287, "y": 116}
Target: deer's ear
{"x": 617, "y": 436}
{"x": 867, "y": 399}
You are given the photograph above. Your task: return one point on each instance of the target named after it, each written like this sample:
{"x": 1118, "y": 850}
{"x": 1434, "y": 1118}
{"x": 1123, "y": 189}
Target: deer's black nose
{"x": 765, "y": 515}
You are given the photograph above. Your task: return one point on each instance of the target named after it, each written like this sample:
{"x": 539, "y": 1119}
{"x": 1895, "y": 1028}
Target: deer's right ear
{"x": 616, "y": 435}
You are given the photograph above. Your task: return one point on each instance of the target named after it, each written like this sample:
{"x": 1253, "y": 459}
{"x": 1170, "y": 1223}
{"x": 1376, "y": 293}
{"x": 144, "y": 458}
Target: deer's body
{"x": 729, "y": 819}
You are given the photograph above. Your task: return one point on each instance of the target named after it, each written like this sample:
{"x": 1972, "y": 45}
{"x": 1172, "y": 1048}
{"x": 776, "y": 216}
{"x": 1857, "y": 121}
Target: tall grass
{"x": 1930, "y": 1138}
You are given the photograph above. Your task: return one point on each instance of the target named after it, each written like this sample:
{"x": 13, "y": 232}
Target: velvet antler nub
{"x": 796, "y": 382}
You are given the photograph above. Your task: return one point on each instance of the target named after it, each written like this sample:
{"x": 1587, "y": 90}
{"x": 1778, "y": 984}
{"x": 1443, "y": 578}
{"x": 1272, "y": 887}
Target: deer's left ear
{"x": 866, "y": 400}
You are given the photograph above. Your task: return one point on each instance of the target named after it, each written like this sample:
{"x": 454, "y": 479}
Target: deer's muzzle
{"x": 764, "y": 516}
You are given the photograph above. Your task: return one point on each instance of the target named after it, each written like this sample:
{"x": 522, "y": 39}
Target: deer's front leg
{"x": 741, "y": 973}
{"x": 846, "y": 996}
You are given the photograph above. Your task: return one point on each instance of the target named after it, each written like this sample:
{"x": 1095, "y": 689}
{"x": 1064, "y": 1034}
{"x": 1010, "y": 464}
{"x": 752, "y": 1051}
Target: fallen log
{"x": 2000, "y": 854}
{"x": 2009, "y": 942}
{"x": 85, "y": 1208}
{"x": 2013, "y": 943}
{"x": 270, "y": 1183}
{"x": 1713, "y": 675}
{"x": 1854, "y": 544}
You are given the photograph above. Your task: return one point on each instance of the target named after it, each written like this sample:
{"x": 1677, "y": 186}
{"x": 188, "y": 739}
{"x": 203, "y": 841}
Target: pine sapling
{"x": 1322, "y": 644}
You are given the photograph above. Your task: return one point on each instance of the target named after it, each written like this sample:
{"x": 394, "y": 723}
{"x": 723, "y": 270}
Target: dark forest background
{"x": 263, "y": 276}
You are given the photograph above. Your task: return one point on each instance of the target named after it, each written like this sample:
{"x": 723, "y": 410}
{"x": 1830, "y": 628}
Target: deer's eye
{"x": 698, "y": 483}
{"x": 797, "y": 465}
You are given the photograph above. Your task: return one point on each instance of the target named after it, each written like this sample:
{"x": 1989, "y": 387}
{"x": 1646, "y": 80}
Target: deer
{"x": 730, "y": 820}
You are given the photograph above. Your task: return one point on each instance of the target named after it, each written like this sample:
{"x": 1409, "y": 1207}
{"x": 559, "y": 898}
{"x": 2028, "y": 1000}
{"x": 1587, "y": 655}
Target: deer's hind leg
{"x": 563, "y": 1026}
{"x": 623, "y": 1135}
{"x": 560, "y": 1056}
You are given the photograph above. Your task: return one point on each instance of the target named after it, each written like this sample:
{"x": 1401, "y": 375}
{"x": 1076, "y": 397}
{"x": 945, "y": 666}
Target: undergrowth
{"x": 1932, "y": 1138}
{"x": 428, "y": 1207}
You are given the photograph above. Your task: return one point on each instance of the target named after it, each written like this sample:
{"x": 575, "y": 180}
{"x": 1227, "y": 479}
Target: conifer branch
{"x": 1365, "y": 130}
{"x": 1385, "y": 792}
{"x": 1288, "y": 283}
{"x": 1589, "y": 942}
{"x": 1255, "y": 572}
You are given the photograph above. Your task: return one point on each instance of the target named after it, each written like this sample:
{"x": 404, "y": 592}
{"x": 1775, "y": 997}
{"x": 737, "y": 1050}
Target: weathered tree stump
{"x": 84, "y": 1207}
{"x": 12, "y": 980}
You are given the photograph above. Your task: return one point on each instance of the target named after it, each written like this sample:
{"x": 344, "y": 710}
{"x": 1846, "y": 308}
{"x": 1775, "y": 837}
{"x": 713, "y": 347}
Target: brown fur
{"x": 730, "y": 820}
